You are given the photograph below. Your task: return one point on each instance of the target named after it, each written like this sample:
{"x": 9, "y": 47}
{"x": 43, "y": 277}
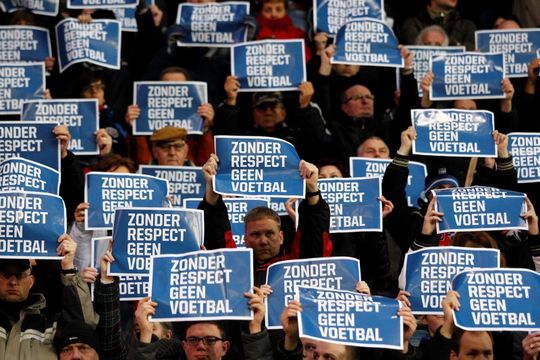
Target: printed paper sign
{"x": 269, "y": 65}
{"x": 132, "y": 287}
{"x": 340, "y": 273}
{"x": 41, "y": 7}
{"x": 79, "y": 115}
{"x": 140, "y": 233}
{"x": 349, "y": 318}
{"x": 467, "y": 76}
{"x": 422, "y": 55}
{"x": 207, "y": 285}
{"x": 97, "y": 42}
{"x": 19, "y": 82}
{"x": 30, "y": 140}
{"x": 100, "y": 4}
{"x": 498, "y": 300}
{"x": 330, "y": 15}
{"x": 518, "y": 46}
{"x": 236, "y": 210}
{"x": 367, "y": 42}
{"x": 429, "y": 272}
{"x": 371, "y": 167}
{"x": 24, "y": 43}
{"x": 213, "y": 24}
{"x": 18, "y": 174}
{"x": 30, "y": 224}
{"x": 107, "y": 191}
{"x": 126, "y": 16}
{"x": 525, "y": 151}
{"x": 184, "y": 181}
{"x": 164, "y": 103}
{"x": 479, "y": 208}
{"x": 452, "y": 132}
{"x": 255, "y": 166}
{"x": 354, "y": 203}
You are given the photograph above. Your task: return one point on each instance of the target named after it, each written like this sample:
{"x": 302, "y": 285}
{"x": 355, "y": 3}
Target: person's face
{"x": 15, "y": 285}
{"x": 443, "y": 4}
{"x": 268, "y": 116}
{"x": 95, "y": 90}
{"x": 433, "y": 38}
{"x": 78, "y": 351}
{"x": 329, "y": 172}
{"x": 358, "y": 102}
{"x": 346, "y": 69}
{"x": 308, "y": 348}
{"x": 265, "y": 237}
{"x": 465, "y": 104}
{"x": 373, "y": 148}
{"x": 201, "y": 351}
{"x": 170, "y": 153}
{"x": 474, "y": 345}
{"x": 323, "y": 350}
{"x": 274, "y": 10}
{"x": 174, "y": 76}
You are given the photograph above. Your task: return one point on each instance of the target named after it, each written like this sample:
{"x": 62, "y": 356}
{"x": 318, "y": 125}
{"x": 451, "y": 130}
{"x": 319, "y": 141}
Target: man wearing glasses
{"x": 205, "y": 339}
{"x": 169, "y": 146}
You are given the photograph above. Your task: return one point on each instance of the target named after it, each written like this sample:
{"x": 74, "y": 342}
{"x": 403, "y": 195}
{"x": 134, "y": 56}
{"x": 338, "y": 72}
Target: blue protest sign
{"x": 184, "y": 181}
{"x": 191, "y": 203}
{"x": 479, "y": 208}
{"x": 278, "y": 205}
{"x": 19, "y": 82}
{"x": 498, "y": 299}
{"x": 31, "y": 224}
{"x": 213, "y": 24}
{"x": 41, "y": 7}
{"x": 284, "y": 277}
{"x": 30, "y": 140}
{"x": 349, "y": 318}
{"x": 367, "y": 41}
{"x": 236, "y": 210}
{"x": 452, "y": 132}
{"x": 139, "y": 233}
{"x": 354, "y": 203}
{"x": 468, "y": 75}
{"x": 131, "y": 287}
{"x": 18, "y": 174}
{"x": 255, "y": 166}
{"x": 24, "y": 43}
{"x": 422, "y": 55}
{"x": 164, "y": 103}
{"x": 97, "y": 42}
{"x": 207, "y": 285}
{"x": 269, "y": 65}
{"x": 429, "y": 272}
{"x": 79, "y": 115}
{"x": 100, "y": 4}
{"x": 518, "y": 46}
{"x": 107, "y": 191}
{"x": 330, "y": 15}
{"x": 525, "y": 150}
{"x": 371, "y": 167}
{"x": 126, "y": 16}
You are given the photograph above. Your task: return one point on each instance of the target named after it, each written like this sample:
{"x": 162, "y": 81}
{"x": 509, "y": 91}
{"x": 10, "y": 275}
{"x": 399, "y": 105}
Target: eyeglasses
{"x": 207, "y": 340}
{"x": 82, "y": 348}
{"x": 94, "y": 87}
{"x": 19, "y": 275}
{"x": 167, "y": 146}
{"x": 360, "y": 97}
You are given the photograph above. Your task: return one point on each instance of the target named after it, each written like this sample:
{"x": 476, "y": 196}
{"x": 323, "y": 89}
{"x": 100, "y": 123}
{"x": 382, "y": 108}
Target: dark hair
{"x": 220, "y": 326}
{"x": 261, "y": 212}
{"x": 23, "y": 15}
{"x": 459, "y": 335}
{"x": 333, "y": 162}
{"x": 174, "y": 70}
{"x": 262, "y": 2}
{"x": 85, "y": 79}
{"x": 112, "y": 162}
